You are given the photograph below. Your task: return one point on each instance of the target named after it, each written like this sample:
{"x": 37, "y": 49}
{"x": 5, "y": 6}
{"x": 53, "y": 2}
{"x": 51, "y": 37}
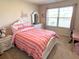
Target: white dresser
{"x": 5, "y": 43}
{"x": 38, "y": 25}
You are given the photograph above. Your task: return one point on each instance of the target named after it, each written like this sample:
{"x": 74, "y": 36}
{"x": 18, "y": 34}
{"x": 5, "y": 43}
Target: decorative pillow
{"x": 21, "y": 24}
{"x": 28, "y": 28}
{"x": 25, "y": 25}
{"x": 16, "y": 28}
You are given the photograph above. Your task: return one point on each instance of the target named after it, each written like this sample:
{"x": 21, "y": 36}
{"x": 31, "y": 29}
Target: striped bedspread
{"x": 33, "y": 41}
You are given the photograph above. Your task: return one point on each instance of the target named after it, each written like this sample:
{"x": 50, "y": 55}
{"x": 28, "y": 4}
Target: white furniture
{"x": 38, "y": 25}
{"x": 5, "y": 43}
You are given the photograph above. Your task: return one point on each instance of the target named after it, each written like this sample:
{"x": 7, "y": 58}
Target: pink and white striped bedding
{"x": 33, "y": 41}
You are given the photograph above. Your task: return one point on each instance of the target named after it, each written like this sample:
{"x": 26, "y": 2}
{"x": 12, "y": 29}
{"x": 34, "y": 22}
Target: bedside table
{"x": 5, "y": 43}
{"x": 38, "y": 25}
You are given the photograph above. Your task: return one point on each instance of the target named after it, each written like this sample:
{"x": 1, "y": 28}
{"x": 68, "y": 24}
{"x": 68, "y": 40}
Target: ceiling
{"x": 43, "y": 1}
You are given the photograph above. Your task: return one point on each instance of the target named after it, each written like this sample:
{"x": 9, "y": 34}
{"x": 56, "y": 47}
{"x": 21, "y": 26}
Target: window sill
{"x": 57, "y": 27}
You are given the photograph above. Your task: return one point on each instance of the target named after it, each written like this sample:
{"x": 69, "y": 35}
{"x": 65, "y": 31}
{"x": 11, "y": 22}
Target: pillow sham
{"x": 17, "y": 27}
{"x": 21, "y": 24}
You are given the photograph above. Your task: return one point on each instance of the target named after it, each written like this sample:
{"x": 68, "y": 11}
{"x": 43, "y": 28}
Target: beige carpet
{"x": 15, "y": 53}
{"x": 63, "y": 50}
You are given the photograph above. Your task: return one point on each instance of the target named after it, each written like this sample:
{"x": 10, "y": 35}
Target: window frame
{"x": 59, "y": 17}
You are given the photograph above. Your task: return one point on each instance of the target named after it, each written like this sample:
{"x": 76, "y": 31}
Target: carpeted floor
{"x": 15, "y": 53}
{"x": 63, "y": 50}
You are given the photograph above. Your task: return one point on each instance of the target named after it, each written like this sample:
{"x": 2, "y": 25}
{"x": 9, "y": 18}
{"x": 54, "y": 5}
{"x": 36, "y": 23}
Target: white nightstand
{"x": 38, "y": 26}
{"x": 5, "y": 43}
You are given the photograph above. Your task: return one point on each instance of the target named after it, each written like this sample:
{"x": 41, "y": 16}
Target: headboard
{"x": 14, "y": 22}
{"x": 8, "y": 28}
{"x": 23, "y": 18}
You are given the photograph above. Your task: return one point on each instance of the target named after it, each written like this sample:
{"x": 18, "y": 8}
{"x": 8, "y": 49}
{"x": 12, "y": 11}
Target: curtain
{"x": 72, "y": 27}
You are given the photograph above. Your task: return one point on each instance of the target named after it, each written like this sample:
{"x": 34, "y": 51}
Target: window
{"x": 59, "y": 17}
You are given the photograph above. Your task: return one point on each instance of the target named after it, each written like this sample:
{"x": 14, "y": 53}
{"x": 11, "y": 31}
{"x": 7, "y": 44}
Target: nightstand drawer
{"x": 5, "y": 44}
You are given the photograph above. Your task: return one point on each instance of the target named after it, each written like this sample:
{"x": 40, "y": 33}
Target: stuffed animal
{"x": 2, "y": 33}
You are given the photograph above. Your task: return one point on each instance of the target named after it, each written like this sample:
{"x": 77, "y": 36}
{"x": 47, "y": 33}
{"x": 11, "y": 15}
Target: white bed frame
{"x": 49, "y": 48}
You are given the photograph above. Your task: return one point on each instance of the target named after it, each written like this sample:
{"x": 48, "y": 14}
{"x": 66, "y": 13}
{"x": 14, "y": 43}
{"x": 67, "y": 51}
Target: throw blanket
{"x": 33, "y": 41}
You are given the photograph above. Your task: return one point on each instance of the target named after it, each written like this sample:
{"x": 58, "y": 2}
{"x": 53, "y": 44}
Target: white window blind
{"x": 59, "y": 17}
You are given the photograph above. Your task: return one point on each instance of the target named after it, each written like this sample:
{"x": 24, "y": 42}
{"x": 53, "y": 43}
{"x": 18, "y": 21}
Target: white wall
{"x": 10, "y": 10}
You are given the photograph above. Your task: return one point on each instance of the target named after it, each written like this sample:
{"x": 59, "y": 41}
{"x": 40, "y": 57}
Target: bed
{"x": 38, "y": 43}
